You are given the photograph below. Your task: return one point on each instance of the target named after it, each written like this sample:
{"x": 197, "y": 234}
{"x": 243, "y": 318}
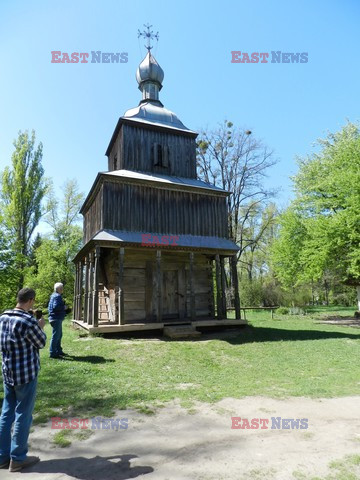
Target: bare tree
{"x": 259, "y": 232}
{"x": 231, "y": 158}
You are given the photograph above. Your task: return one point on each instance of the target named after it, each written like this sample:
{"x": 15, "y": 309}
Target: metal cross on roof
{"x": 149, "y": 34}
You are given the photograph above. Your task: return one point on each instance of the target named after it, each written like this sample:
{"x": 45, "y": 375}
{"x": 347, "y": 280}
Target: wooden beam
{"x": 78, "y": 288}
{"x": 86, "y": 290}
{"x": 223, "y": 286}
{"x": 219, "y": 310}
{"x": 192, "y": 290}
{"x": 81, "y": 290}
{"x": 182, "y": 292}
{"x": 211, "y": 293}
{"x": 95, "y": 299}
{"x": 158, "y": 287}
{"x": 79, "y": 284}
{"x": 90, "y": 292}
{"x": 235, "y": 286}
{"x": 148, "y": 291}
{"x": 76, "y": 292}
{"x": 121, "y": 310}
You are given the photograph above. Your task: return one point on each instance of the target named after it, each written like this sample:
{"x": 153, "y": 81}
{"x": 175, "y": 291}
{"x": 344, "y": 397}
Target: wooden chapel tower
{"x": 155, "y": 236}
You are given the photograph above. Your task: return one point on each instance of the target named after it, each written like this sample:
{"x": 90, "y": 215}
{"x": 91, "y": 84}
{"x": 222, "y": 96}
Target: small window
{"x": 115, "y": 162}
{"x": 160, "y": 155}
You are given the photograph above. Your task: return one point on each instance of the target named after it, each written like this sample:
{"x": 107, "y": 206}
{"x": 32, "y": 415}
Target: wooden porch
{"x": 149, "y": 289}
{"x": 104, "y": 327}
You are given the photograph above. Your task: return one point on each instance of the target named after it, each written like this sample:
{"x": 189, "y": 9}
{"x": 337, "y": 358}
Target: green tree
{"x": 23, "y": 187}
{"x": 32, "y": 253}
{"x": 53, "y": 257}
{"x": 8, "y": 271}
{"x": 326, "y": 211}
{"x": 287, "y": 249}
{"x": 54, "y": 264}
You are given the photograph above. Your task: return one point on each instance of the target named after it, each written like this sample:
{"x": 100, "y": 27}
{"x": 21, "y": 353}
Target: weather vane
{"x": 149, "y": 34}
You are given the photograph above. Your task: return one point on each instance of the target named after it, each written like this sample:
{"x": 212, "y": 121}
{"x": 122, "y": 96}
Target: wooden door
{"x": 170, "y": 294}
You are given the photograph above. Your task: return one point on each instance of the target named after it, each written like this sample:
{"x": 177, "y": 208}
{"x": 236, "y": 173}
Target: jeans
{"x": 55, "y": 343}
{"x": 18, "y": 405}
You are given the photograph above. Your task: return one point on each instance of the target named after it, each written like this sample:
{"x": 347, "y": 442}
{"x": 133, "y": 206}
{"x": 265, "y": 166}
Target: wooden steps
{"x": 105, "y": 313}
{"x": 181, "y": 331}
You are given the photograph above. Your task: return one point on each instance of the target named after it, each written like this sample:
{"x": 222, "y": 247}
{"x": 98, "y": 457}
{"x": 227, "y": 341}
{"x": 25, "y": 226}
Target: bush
{"x": 346, "y": 299}
{"x": 282, "y": 311}
{"x": 297, "y": 311}
{"x": 260, "y": 292}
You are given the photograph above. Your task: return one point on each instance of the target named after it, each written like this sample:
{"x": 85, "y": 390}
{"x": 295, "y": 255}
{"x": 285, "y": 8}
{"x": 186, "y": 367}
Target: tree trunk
{"x": 326, "y": 293}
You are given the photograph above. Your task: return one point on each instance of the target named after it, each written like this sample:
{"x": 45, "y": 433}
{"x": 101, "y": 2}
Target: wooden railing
{"x": 272, "y": 309}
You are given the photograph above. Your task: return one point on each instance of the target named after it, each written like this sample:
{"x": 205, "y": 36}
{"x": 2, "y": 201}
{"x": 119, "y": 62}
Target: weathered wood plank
{"x": 159, "y": 285}
{"x": 121, "y": 292}
{"x": 219, "y": 310}
{"x": 132, "y": 314}
{"x": 223, "y": 287}
{"x": 148, "y": 290}
{"x": 95, "y": 299}
{"x": 192, "y": 289}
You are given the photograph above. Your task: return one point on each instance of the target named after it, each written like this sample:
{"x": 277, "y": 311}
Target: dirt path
{"x": 177, "y": 445}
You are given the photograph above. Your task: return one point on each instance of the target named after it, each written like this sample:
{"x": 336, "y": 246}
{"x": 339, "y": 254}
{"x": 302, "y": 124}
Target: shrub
{"x": 297, "y": 311}
{"x": 282, "y": 311}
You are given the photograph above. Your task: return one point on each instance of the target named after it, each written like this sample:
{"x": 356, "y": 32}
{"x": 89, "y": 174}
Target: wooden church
{"x": 155, "y": 237}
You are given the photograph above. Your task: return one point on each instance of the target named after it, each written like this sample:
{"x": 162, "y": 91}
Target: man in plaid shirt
{"x": 21, "y": 337}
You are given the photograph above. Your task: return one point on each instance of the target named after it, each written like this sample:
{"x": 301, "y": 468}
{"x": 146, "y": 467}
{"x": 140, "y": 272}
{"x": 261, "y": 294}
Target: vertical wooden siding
{"x": 133, "y": 148}
{"x": 140, "y": 208}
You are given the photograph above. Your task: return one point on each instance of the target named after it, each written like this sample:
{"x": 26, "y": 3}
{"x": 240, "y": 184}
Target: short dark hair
{"x": 25, "y": 294}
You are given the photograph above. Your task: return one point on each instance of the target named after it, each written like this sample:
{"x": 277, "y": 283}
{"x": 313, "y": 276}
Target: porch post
{"x": 81, "y": 276}
{"x": 86, "y": 290}
{"x": 76, "y": 286}
{"x": 223, "y": 286}
{"x": 236, "y": 287}
{"x": 95, "y": 299}
{"x": 78, "y": 293}
{"x": 159, "y": 286}
{"x": 211, "y": 279}
{"x": 219, "y": 311}
{"x": 90, "y": 292}
{"x": 192, "y": 291}
{"x": 121, "y": 310}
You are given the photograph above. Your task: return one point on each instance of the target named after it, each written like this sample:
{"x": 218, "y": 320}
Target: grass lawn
{"x": 286, "y": 356}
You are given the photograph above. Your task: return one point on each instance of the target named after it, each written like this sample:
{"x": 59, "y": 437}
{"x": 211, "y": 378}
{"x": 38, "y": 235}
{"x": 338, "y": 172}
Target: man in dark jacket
{"x": 21, "y": 337}
{"x": 57, "y": 312}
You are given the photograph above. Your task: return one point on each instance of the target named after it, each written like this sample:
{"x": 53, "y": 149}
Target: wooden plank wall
{"x": 93, "y": 217}
{"x": 133, "y": 149}
{"x": 140, "y": 208}
{"x": 140, "y": 284}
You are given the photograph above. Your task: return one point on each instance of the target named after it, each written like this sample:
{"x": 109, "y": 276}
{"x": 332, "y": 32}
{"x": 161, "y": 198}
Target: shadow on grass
{"x": 96, "y": 468}
{"x": 260, "y": 334}
{"x": 88, "y": 358}
{"x": 244, "y": 334}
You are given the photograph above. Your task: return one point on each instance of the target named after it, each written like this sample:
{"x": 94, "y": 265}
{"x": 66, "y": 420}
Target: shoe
{"x": 5, "y": 464}
{"x": 56, "y": 356}
{"x": 28, "y": 462}
{"x": 63, "y": 354}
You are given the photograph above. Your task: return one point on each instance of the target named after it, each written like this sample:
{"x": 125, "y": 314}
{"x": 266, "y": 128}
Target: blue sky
{"x": 74, "y": 107}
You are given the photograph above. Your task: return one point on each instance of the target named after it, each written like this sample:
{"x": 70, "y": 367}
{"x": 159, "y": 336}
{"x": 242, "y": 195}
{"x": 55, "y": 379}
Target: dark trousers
{"x": 55, "y": 343}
